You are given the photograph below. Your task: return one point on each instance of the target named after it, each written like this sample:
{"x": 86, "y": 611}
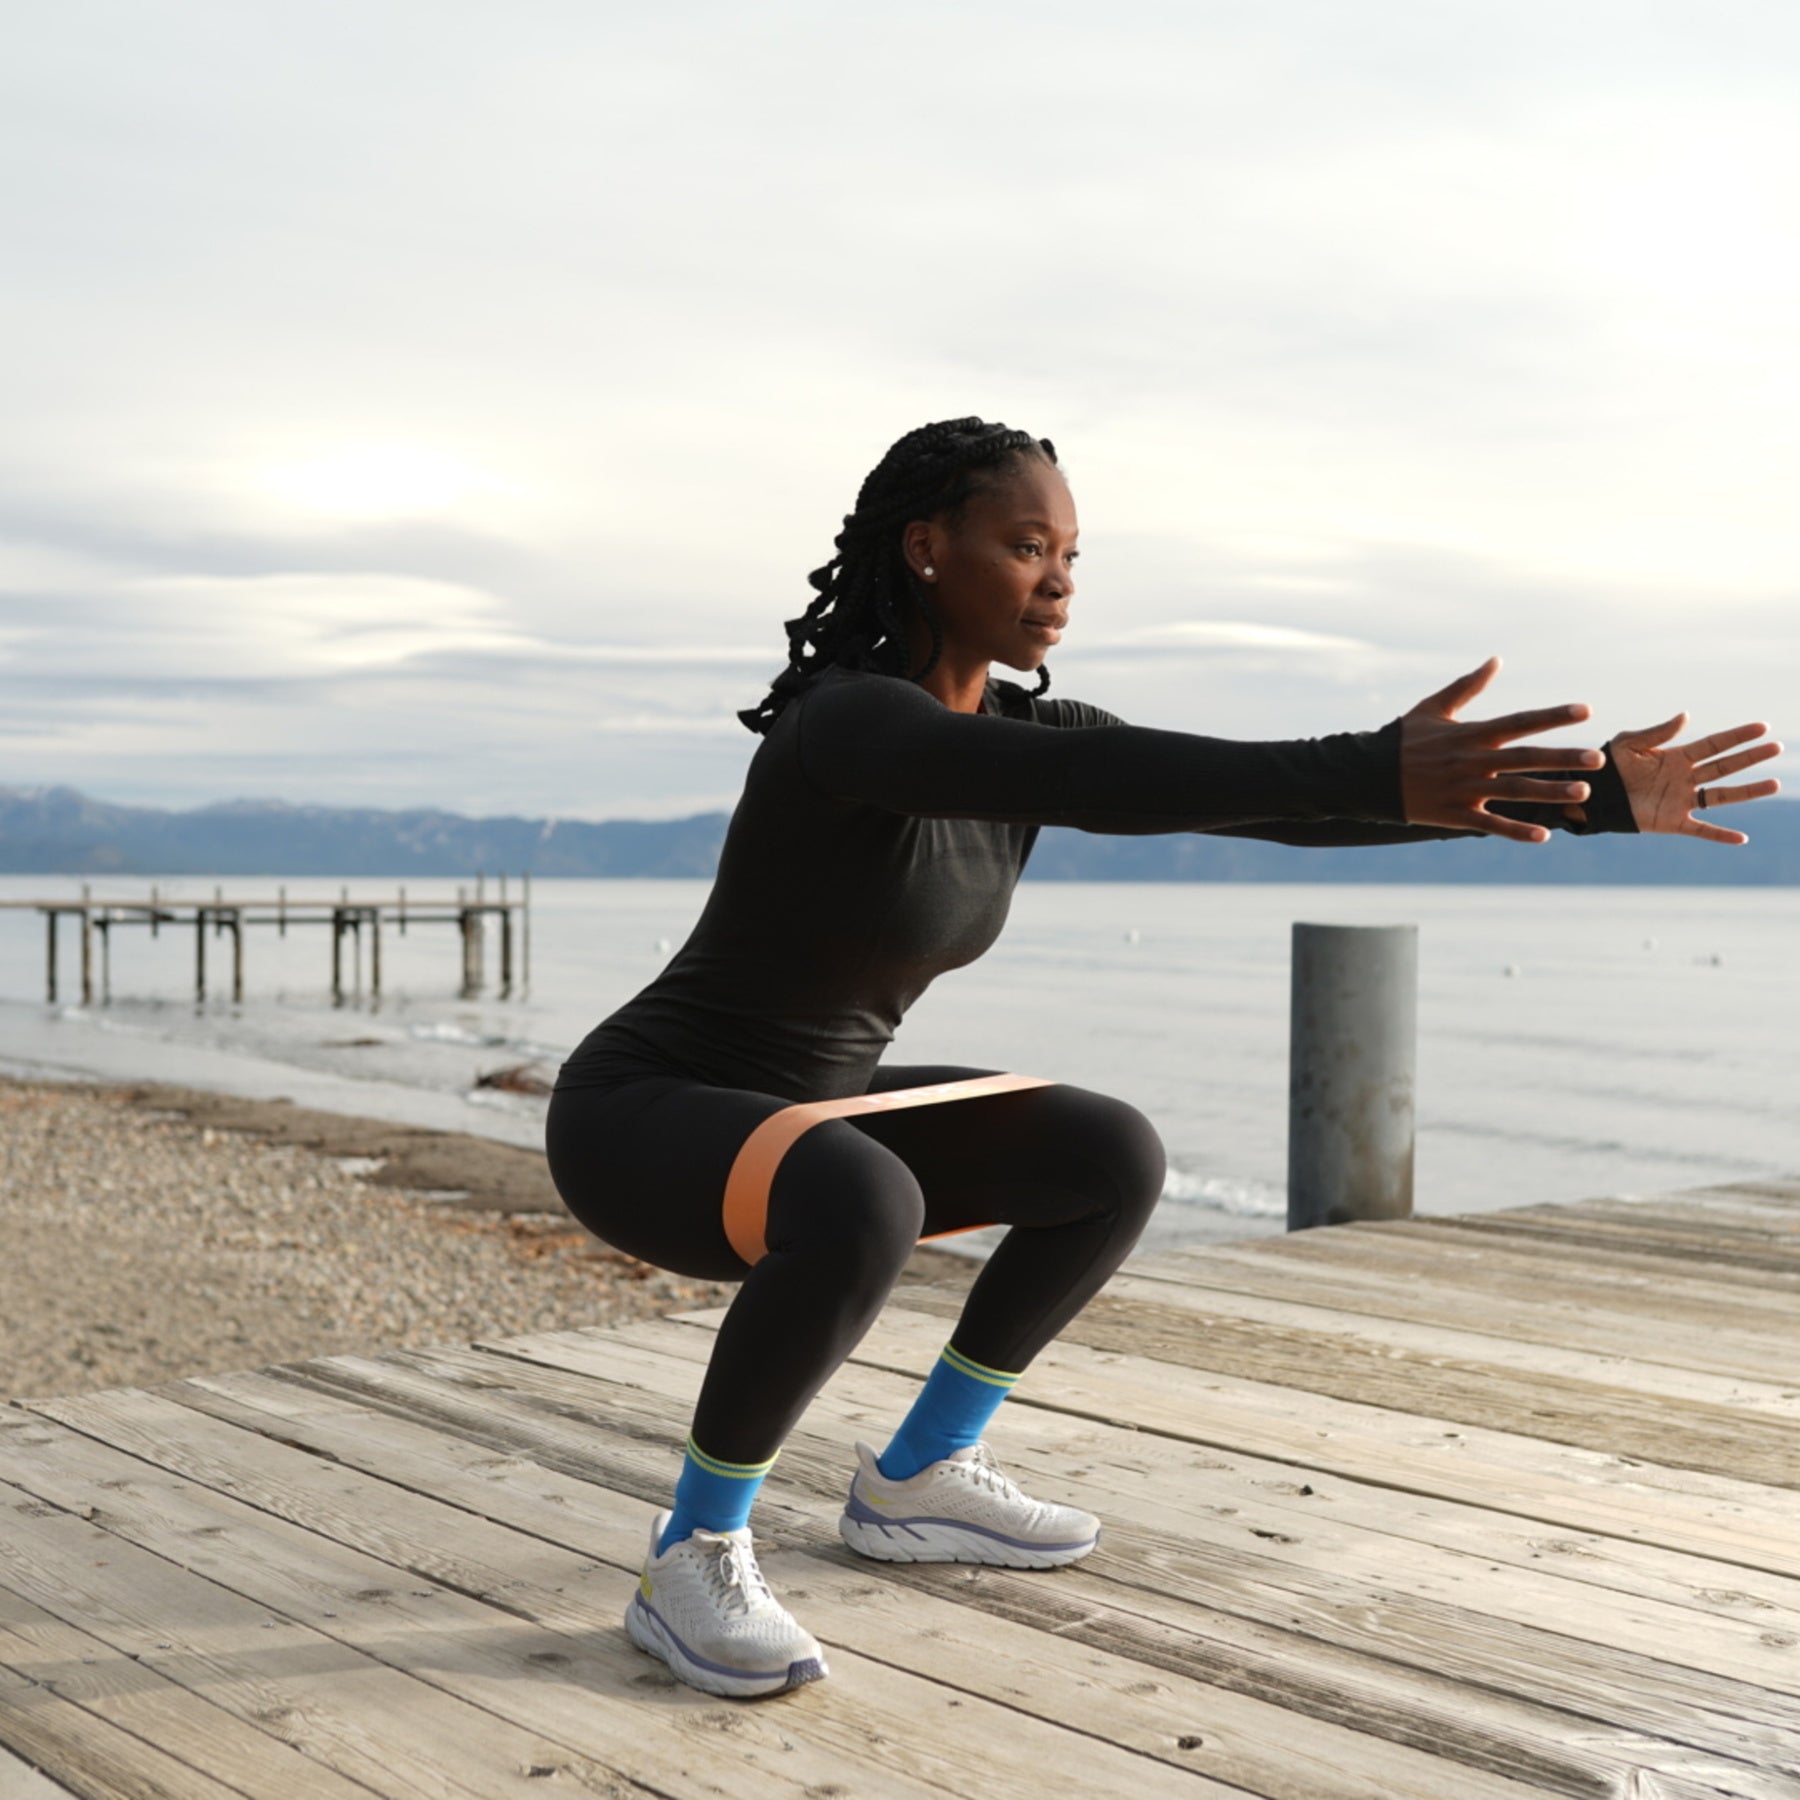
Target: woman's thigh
{"x": 1036, "y": 1156}
{"x": 644, "y": 1166}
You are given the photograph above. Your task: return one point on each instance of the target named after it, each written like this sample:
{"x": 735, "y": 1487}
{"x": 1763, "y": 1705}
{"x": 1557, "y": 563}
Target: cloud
{"x": 398, "y": 410}
{"x": 1213, "y": 636}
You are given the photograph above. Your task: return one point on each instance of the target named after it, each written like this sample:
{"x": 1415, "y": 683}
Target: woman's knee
{"x": 844, "y": 1200}
{"x": 1114, "y": 1137}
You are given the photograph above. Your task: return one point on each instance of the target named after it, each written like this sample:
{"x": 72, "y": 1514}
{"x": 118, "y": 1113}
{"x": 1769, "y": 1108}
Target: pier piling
{"x": 1352, "y": 1057}
{"x": 87, "y": 948}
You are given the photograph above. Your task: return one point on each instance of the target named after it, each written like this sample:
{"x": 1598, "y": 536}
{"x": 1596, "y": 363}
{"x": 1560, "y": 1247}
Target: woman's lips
{"x": 1051, "y": 629}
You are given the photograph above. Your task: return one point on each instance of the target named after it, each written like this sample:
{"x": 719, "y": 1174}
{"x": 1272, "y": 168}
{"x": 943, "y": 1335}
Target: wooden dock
{"x": 1491, "y": 1507}
{"x": 97, "y": 919}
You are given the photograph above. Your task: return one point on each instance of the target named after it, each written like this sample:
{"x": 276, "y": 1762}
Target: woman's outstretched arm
{"x": 884, "y": 742}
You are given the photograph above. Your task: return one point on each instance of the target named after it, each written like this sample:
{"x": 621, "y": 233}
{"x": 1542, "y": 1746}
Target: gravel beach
{"x": 151, "y": 1231}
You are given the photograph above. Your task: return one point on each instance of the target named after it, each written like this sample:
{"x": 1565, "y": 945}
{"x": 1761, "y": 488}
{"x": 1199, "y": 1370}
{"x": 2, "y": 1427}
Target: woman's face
{"x": 1002, "y": 577}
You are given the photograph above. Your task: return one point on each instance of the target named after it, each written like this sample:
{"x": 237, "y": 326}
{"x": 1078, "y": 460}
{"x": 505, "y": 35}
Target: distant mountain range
{"x": 59, "y": 831}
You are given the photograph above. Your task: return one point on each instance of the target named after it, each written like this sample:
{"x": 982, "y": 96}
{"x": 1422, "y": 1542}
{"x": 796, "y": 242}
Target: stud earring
{"x": 930, "y": 573}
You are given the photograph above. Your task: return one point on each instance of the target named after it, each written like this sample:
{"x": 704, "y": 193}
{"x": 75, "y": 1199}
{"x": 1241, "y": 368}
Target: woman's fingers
{"x": 1651, "y": 736}
{"x": 1707, "y": 773}
{"x": 1497, "y": 826}
{"x": 1714, "y": 834}
{"x": 1721, "y": 741}
{"x": 1448, "y": 701}
{"x": 1750, "y": 790}
{"x": 1539, "y": 793}
{"x": 1527, "y": 724}
{"x": 1543, "y": 756}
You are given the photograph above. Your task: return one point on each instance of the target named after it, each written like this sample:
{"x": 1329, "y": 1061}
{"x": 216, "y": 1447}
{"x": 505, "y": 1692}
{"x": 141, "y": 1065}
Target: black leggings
{"x": 643, "y": 1166}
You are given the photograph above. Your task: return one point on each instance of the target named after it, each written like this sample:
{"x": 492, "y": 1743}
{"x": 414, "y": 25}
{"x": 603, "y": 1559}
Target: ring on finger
{"x": 1700, "y": 803}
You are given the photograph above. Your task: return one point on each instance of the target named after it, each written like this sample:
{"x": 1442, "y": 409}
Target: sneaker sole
{"x": 935, "y": 1541}
{"x": 651, "y": 1635}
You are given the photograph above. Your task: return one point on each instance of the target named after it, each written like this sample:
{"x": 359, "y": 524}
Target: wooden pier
{"x": 96, "y": 919}
{"x": 1468, "y": 1509}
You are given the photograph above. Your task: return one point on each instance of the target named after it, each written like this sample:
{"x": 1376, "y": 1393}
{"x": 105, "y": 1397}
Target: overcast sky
{"x": 414, "y": 402}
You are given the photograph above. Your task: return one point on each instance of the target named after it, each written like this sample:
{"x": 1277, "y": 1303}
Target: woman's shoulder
{"x": 849, "y": 694}
{"x": 1012, "y": 701}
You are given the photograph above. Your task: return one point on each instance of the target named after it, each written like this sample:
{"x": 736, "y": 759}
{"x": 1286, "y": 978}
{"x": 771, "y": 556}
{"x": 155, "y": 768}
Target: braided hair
{"x": 864, "y": 597}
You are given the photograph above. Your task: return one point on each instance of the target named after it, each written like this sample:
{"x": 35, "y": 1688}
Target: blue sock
{"x": 959, "y": 1397}
{"x": 711, "y": 1495}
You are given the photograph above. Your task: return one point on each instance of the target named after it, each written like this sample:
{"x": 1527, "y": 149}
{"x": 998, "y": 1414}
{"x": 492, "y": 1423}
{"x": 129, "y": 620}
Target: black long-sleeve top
{"x": 879, "y": 839}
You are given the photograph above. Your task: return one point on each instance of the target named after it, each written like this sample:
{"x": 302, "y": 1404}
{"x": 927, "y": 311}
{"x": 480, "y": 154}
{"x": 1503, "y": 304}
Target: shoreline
{"x": 157, "y": 1231}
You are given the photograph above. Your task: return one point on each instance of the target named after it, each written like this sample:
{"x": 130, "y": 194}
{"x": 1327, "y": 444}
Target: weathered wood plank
{"x": 1264, "y": 1497}
{"x": 1696, "y": 1246}
{"x": 927, "y": 1735}
{"x": 1456, "y": 1254}
{"x": 133, "y": 1693}
{"x": 1558, "y": 1409}
{"x": 1533, "y": 1598}
{"x": 1728, "y": 1215}
{"x": 1271, "y": 1751}
{"x": 1731, "y": 1522}
{"x": 379, "y": 1731}
{"x": 1458, "y": 1340}
{"x": 1375, "y": 1686}
{"x": 97, "y": 1759}
{"x": 1540, "y": 1306}
{"x": 1447, "y": 1253}
{"x": 406, "y": 1738}
{"x": 18, "y": 1779}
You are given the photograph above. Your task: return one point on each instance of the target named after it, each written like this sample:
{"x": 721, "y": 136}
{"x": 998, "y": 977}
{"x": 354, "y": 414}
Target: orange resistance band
{"x": 747, "y": 1186}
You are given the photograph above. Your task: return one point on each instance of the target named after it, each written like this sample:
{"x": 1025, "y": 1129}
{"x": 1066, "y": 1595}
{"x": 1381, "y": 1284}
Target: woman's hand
{"x": 1450, "y": 770}
{"x": 1668, "y": 783}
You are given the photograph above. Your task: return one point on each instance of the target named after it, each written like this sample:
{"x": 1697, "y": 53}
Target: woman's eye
{"x": 1030, "y": 549}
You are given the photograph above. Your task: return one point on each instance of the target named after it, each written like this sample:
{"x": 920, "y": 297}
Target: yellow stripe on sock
{"x": 741, "y": 1471}
{"x": 966, "y": 1365}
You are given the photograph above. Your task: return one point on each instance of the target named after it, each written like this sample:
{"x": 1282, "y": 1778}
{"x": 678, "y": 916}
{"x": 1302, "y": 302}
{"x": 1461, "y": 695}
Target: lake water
{"x": 1571, "y": 1041}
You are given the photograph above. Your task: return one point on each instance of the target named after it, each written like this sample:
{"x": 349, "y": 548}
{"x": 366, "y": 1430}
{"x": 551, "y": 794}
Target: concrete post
{"x": 237, "y": 955}
{"x": 374, "y": 952}
{"x": 1352, "y": 1059}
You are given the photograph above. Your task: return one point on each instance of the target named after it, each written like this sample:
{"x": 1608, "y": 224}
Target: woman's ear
{"x": 918, "y": 547}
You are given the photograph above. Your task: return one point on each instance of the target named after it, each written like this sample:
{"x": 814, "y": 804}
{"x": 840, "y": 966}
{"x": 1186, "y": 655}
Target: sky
{"x": 420, "y": 403}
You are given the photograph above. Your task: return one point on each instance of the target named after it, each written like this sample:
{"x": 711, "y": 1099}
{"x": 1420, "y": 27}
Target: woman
{"x": 733, "y": 1122}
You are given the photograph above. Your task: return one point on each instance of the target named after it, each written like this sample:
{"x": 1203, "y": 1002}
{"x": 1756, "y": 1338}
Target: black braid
{"x": 864, "y": 597}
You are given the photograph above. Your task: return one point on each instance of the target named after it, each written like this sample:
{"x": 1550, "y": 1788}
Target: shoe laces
{"x": 982, "y": 1469}
{"x": 733, "y": 1580}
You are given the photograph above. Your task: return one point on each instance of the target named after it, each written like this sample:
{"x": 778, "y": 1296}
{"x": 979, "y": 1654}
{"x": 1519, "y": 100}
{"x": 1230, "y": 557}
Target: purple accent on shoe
{"x": 860, "y": 1510}
{"x": 810, "y": 1663}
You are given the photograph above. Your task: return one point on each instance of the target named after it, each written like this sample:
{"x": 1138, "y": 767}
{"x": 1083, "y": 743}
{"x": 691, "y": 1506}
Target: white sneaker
{"x": 705, "y": 1609}
{"x": 960, "y": 1510}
